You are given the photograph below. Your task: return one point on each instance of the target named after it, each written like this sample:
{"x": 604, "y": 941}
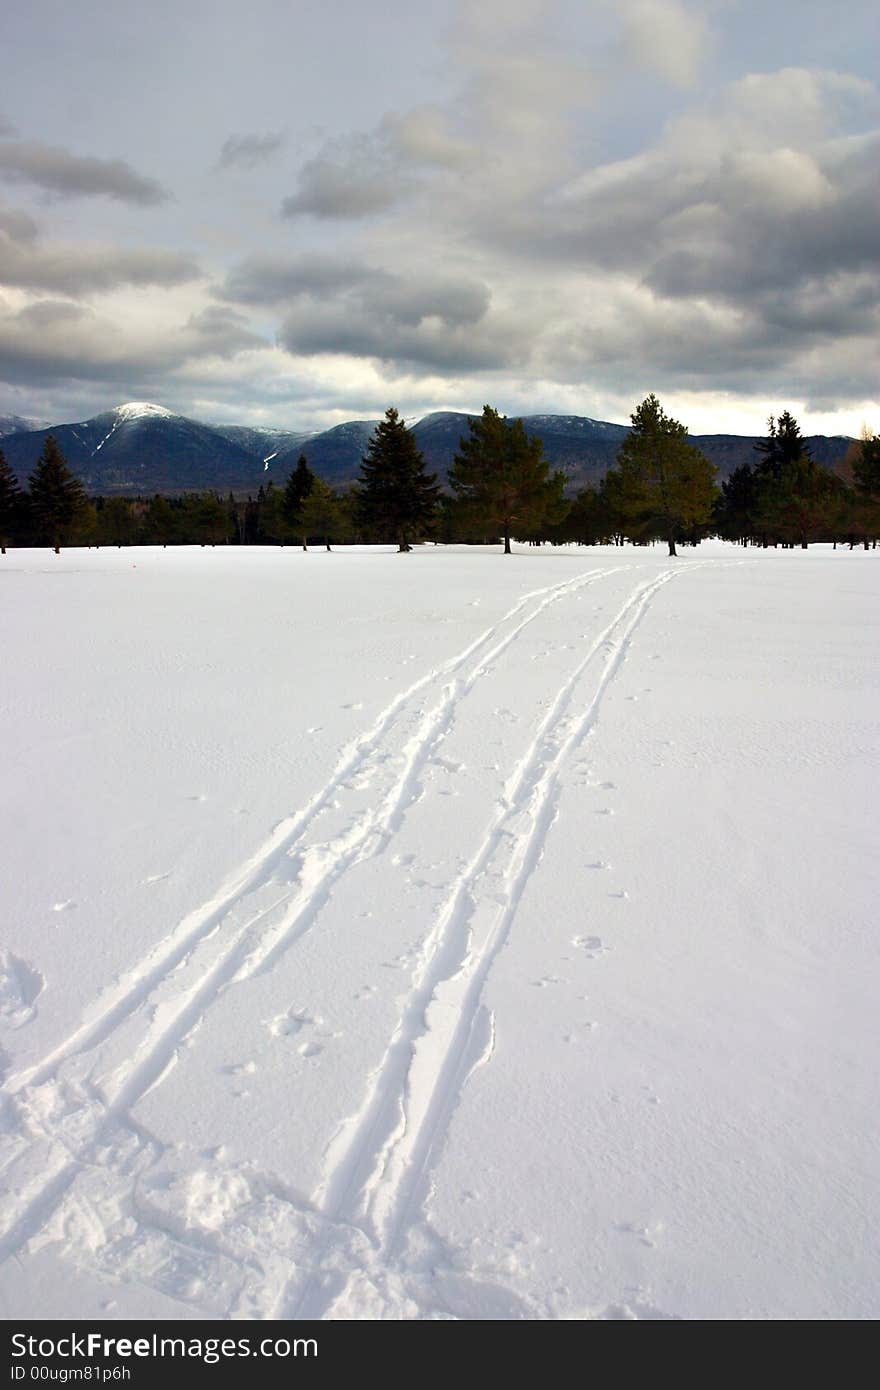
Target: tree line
{"x": 500, "y": 488}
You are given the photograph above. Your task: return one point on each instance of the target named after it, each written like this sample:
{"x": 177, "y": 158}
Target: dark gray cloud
{"x": 441, "y": 323}
{"x": 17, "y": 225}
{"x": 355, "y": 180}
{"x": 401, "y": 297}
{"x": 55, "y": 341}
{"x": 249, "y": 151}
{"x": 219, "y": 332}
{"x": 80, "y": 269}
{"x": 53, "y": 168}
{"x": 359, "y": 175}
{"x": 270, "y": 280}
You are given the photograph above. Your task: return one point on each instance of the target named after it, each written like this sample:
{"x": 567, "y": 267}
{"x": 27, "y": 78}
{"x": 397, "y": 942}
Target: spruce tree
{"x": 57, "y": 498}
{"x": 502, "y": 480}
{"x": 783, "y": 445}
{"x": 10, "y": 502}
{"x": 736, "y": 511}
{"x": 396, "y": 497}
{"x": 319, "y": 514}
{"x": 866, "y": 466}
{"x": 864, "y": 506}
{"x": 668, "y": 484}
{"x": 794, "y": 493}
{"x": 299, "y": 486}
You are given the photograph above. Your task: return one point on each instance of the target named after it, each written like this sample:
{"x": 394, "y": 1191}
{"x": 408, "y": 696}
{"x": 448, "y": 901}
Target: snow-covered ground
{"x": 440, "y": 935}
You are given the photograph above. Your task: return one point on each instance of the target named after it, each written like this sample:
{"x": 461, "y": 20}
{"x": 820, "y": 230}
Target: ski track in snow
{"x": 377, "y": 1165}
{"x": 237, "y": 1242}
{"x": 74, "y": 1124}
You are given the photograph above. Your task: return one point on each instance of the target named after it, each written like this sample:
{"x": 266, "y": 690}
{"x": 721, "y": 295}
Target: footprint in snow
{"x": 592, "y": 945}
{"x": 20, "y": 987}
{"x": 287, "y": 1025}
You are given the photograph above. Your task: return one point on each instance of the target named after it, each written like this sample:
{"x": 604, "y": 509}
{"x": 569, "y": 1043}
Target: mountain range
{"x": 140, "y": 449}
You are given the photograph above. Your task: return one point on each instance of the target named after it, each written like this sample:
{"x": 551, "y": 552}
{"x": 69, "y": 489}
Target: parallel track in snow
{"x": 255, "y": 941}
{"x": 377, "y": 1166}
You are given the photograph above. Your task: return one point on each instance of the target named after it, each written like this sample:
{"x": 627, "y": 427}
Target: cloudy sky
{"x": 297, "y": 212}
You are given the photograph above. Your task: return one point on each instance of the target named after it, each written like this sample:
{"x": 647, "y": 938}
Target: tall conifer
{"x": 57, "y": 498}
{"x": 502, "y": 479}
{"x": 396, "y": 496}
{"x": 10, "y": 501}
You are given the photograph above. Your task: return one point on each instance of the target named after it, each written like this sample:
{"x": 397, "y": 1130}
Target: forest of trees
{"x": 661, "y": 487}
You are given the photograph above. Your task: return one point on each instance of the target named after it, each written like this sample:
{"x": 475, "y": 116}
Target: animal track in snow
{"x": 287, "y": 1025}
{"x": 592, "y": 945}
{"x": 20, "y": 987}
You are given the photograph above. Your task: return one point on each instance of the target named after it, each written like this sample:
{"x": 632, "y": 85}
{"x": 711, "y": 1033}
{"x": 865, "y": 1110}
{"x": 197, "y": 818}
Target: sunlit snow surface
{"x": 440, "y": 935}
{"x": 141, "y": 410}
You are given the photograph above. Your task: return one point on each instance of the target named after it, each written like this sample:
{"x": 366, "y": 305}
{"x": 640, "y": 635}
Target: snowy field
{"x": 440, "y": 935}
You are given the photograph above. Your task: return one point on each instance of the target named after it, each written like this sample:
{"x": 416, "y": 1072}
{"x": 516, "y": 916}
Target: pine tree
{"x": 794, "y": 493}
{"x": 57, "y": 498}
{"x": 396, "y": 497}
{"x": 10, "y": 501}
{"x": 502, "y": 479}
{"x": 783, "y": 445}
{"x": 669, "y": 486}
{"x": 736, "y": 511}
{"x": 160, "y": 522}
{"x": 299, "y": 486}
{"x": 319, "y": 514}
{"x": 866, "y": 466}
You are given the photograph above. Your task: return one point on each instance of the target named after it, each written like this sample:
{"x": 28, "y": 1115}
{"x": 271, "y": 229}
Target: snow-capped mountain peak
{"x": 138, "y": 410}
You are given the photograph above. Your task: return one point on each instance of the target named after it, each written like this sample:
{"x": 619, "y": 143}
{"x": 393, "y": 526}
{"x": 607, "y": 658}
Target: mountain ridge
{"x": 139, "y": 448}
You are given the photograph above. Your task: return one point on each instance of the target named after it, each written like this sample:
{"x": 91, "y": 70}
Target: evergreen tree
{"x": 502, "y": 480}
{"x": 319, "y": 515}
{"x": 273, "y": 518}
{"x": 587, "y": 522}
{"x": 160, "y": 522}
{"x": 57, "y": 498}
{"x": 737, "y": 508}
{"x": 794, "y": 494}
{"x": 783, "y": 445}
{"x": 116, "y": 522}
{"x": 297, "y": 489}
{"x": 396, "y": 497}
{"x": 10, "y": 502}
{"x": 866, "y": 466}
{"x": 667, "y": 486}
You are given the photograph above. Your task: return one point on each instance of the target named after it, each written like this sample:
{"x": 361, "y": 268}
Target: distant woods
{"x": 500, "y": 488}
